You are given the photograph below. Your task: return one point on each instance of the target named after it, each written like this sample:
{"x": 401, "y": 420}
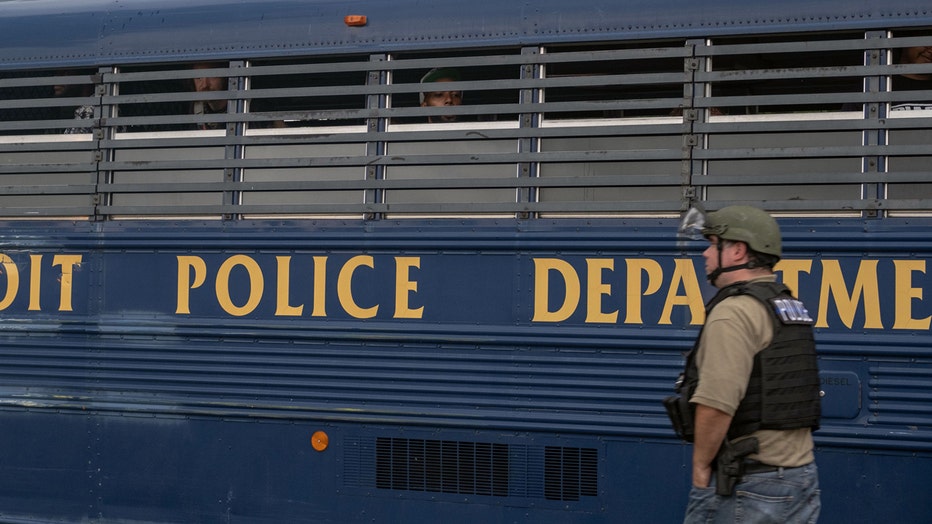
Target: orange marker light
{"x": 355, "y": 20}
{"x": 320, "y": 440}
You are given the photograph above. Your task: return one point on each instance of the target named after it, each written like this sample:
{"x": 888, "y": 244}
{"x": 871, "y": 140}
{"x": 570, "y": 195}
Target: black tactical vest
{"x": 783, "y": 391}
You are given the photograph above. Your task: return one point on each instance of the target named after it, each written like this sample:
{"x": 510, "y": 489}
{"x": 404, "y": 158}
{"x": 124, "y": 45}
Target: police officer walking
{"x": 749, "y": 397}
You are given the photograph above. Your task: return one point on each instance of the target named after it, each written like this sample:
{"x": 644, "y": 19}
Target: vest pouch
{"x": 681, "y": 416}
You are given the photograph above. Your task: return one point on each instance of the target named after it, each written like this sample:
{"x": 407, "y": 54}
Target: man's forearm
{"x": 711, "y": 428}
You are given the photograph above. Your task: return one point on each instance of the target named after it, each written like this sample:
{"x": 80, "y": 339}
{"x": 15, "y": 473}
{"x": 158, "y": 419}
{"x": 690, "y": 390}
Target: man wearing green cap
{"x": 752, "y": 383}
{"x": 441, "y": 97}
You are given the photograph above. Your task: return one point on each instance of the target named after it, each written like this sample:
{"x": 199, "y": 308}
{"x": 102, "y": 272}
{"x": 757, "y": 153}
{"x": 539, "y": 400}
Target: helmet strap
{"x": 713, "y": 276}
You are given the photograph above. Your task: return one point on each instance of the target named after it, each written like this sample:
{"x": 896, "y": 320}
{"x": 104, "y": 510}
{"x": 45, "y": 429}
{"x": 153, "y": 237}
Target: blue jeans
{"x": 788, "y": 495}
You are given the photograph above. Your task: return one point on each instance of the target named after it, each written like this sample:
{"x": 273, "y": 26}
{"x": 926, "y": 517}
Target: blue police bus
{"x": 249, "y": 274}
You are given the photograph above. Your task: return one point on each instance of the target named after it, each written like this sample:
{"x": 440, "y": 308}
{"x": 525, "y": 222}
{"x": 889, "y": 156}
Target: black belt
{"x": 751, "y": 468}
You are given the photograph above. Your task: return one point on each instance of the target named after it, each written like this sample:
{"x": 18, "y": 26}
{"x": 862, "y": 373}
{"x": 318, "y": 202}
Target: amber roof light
{"x": 355, "y": 20}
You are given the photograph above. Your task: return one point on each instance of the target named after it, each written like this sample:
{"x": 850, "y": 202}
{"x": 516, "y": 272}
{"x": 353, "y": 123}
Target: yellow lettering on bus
{"x": 791, "y": 270}
{"x": 256, "y": 285}
{"x": 345, "y": 287}
{"x": 283, "y": 290}
{"x": 542, "y": 269}
{"x": 404, "y": 287}
{"x": 905, "y": 294}
{"x": 684, "y": 273}
{"x": 187, "y": 264}
{"x": 12, "y": 281}
{"x": 636, "y": 289}
{"x": 865, "y": 289}
{"x": 67, "y": 263}
{"x": 596, "y": 289}
{"x": 320, "y": 287}
{"x": 35, "y": 282}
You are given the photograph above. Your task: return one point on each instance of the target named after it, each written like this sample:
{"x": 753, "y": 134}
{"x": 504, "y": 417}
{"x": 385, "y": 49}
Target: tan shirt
{"x": 735, "y": 331}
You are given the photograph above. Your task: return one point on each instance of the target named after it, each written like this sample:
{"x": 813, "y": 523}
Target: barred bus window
{"x": 47, "y": 154}
{"x": 208, "y": 81}
{"x": 18, "y": 107}
{"x": 436, "y": 104}
{"x": 759, "y": 82}
{"x": 910, "y": 109}
{"x": 320, "y": 104}
{"x": 484, "y": 87}
{"x": 614, "y": 81}
{"x": 295, "y": 93}
{"x": 915, "y": 62}
{"x": 150, "y": 98}
{"x": 46, "y": 102}
{"x": 631, "y": 167}
{"x": 791, "y": 74}
{"x": 76, "y": 91}
{"x": 152, "y": 172}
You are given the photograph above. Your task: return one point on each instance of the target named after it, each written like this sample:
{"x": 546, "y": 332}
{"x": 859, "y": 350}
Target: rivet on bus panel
{"x": 320, "y": 440}
{"x": 355, "y": 20}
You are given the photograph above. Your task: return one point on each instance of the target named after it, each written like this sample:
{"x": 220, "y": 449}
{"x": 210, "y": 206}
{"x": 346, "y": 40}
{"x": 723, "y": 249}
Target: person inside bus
{"x": 913, "y": 81}
{"x": 84, "y": 113}
{"x": 208, "y": 107}
{"x": 907, "y": 82}
{"x": 441, "y": 98}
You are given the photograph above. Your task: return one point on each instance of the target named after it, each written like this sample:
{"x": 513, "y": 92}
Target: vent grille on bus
{"x": 444, "y": 466}
{"x": 478, "y": 468}
{"x": 570, "y": 473}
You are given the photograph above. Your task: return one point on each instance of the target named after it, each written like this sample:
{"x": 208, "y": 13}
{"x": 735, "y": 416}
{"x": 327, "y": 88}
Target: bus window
{"x": 307, "y": 94}
{"x": 156, "y": 108}
{"x": 910, "y": 166}
{"x": 780, "y": 75}
{"x": 153, "y": 99}
{"x": 291, "y": 185}
{"x": 47, "y": 158}
{"x": 162, "y": 188}
{"x": 314, "y": 103}
{"x": 440, "y": 110}
{"x": 910, "y": 107}
{"x": 607, "y": 82}
{"x": 484, "y": 88}
{"x": 47, "y": 102}
{"x": 644, "y": 177}
{"x": 914, "y": 60}
{"x": 430, "y": 181}
{"x": 765, "y": 174}
{"x": 46, "y": 183}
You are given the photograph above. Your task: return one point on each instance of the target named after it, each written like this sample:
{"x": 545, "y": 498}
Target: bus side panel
{"x": 46, "y": 464}
{"x": 861, "y": 485}
{"x": 116, "y": 468}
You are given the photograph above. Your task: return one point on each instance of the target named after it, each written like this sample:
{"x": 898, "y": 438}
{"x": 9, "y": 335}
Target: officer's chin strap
{"x": 717, "y": 272}
{"x": 713, "y": 276}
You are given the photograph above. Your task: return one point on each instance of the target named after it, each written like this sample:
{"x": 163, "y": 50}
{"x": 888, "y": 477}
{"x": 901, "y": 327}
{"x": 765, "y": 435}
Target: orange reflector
{"x": 355, "y": 20}
{"x": 320, "y": 440}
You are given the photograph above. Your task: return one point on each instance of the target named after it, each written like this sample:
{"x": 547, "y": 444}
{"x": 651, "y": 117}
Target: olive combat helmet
{"x": 747, "y": 224}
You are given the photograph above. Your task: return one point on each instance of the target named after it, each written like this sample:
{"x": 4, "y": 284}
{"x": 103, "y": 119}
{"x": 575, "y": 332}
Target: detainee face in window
{"x": 441, "y": 98}
{"x": 917, "y": 55}
{"x": 209, "y": 84}
{"x": 913, "y": 81}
